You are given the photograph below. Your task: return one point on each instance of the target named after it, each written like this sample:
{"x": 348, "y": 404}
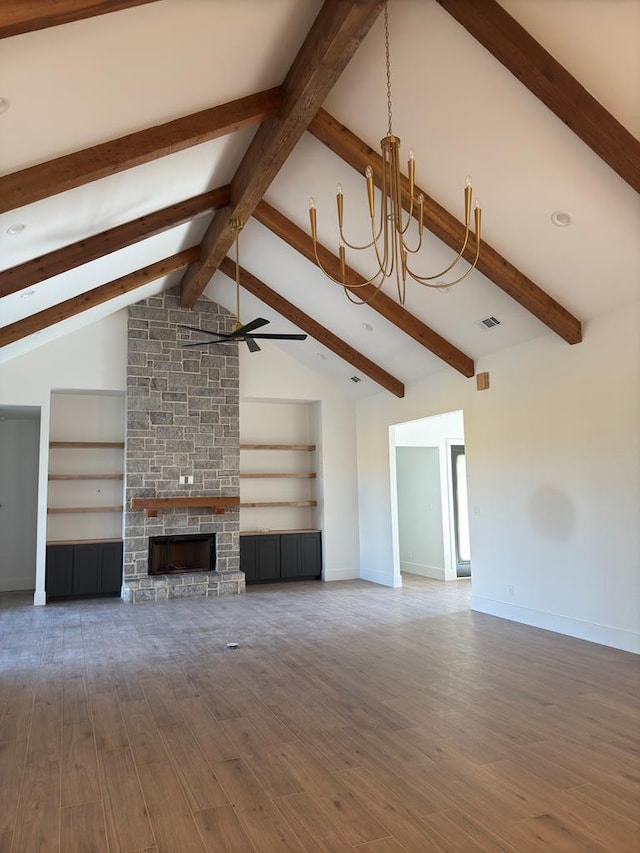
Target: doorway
{"x": 19, "y": 462}
{"x": 430, "y": 516}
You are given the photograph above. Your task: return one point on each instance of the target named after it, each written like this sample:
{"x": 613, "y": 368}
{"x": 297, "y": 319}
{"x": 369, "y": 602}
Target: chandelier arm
{"x": 354, "y": 286}
{"x": 426, "y": 283}
{"x": 425, "y": 278}
{"x": 359, "y": 300}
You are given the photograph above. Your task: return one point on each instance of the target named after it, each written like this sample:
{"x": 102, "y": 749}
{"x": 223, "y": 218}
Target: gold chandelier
{"x": 388, "y": 237}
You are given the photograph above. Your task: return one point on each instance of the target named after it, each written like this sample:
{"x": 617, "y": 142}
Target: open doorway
{"x": 19, "y": 462}
{"x": 430, "y": 517}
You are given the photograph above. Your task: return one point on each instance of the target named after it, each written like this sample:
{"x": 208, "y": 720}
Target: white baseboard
{"x": 39, "y": 598}
{"x": 340, "y": 575}
{"x": 422, "y": 569}
{"x": 617, "y": 638}
{"x": 383, "y": 580}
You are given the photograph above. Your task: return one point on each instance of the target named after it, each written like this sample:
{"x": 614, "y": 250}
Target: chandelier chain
{"x": 386, "y": 48}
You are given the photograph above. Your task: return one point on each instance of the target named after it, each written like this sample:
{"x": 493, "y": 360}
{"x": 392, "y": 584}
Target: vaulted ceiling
{"x": 133, "y": 131}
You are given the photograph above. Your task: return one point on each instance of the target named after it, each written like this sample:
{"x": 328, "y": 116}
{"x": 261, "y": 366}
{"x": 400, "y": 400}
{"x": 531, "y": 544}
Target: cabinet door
{"x": 301, "y": 555}
{"x": 59, "y": 572}
{"x": 248, "y": 558}
{"x": 110, "y": 574}
{"x": 310, "y": 555}
{"x": 85, "y": 569}
{"x": 267, "y": 558}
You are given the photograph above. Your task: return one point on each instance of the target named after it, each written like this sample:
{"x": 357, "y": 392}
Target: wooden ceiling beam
{"x": 70, "y": 307}
{"x": 549, "y": 81}
{"x": 331, "y": 42}
{"x": 447, "y": 228}
{"x": 383, "y": 304}
{"x": 90, "y": 164}
{"x": 72, "y": 256}
{"x": 317, "y": 331}
{"x": 24, "y": 16}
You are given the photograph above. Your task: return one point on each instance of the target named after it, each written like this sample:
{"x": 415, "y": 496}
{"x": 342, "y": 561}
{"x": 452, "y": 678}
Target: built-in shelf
{"x": 277, "y": 447}
{"x": 151, "y": 506}
{"x": 278, "y": 476}
{"x": 278, "y": 503}
{"x": 70, "y": 444}
{"x": 86, "y": 476}
{"x": 58, "y": 510}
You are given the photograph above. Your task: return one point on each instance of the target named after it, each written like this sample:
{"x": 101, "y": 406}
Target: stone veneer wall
{"x": 182, "y": 419}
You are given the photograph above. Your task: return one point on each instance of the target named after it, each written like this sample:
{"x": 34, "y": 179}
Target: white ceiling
{"x": 79, "y": 84}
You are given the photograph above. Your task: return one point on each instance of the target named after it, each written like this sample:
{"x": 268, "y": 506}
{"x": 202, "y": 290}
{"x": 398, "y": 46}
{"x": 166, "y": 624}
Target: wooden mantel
{"x": 217, "y": 505}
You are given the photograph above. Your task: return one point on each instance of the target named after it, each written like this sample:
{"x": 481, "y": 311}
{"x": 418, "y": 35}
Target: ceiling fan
{"x": 241, "y": 332}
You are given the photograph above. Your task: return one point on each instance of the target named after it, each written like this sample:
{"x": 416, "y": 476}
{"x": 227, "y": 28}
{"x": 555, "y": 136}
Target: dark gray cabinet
{"x": 83, "y": 569}
{"x": 265, "y": 558}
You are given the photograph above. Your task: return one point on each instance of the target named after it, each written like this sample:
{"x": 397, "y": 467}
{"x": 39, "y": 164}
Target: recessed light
{"x": 17, "y": 228}
{"x": 27, "y": 293}
{"x": 321, "y": 356}
{"x": 5, "y": 103}
{"x": 561, "y": 218}
{"x": 367, "y": 327}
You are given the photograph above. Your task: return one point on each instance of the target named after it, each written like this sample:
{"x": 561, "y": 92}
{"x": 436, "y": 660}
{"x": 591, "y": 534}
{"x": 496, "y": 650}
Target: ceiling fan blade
{"x": 276, "y": 337}
{"x": 196, "y": 329}
{"x": 208, "y": 343}
{"x": 249, "y": 327}
{"x": 253, "y": 346}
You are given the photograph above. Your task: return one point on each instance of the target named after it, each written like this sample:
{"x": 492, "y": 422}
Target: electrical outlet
{"x": 189, "y": 480}
{"x": 512, "y": 590}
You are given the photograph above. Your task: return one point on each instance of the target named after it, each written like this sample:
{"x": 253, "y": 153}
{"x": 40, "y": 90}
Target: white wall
{"x": 553, "y": 463}
{"x": 19, "y": 444}
{"x": 93, "y": 358}
{"x": 273, "y": 375}
{"x": 420, "y": 537}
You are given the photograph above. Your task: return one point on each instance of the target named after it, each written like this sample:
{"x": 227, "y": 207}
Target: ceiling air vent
{"x": 489, "y": 322}
{"x": 355, "y": 379}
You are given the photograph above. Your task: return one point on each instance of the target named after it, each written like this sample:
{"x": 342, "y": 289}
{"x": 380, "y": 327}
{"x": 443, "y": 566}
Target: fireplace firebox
{"x": 182, "y": 553}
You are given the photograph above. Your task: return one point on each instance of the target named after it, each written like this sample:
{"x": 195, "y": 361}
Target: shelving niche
{"x": 86, "y": 468}
{"x": 278, "y": 480}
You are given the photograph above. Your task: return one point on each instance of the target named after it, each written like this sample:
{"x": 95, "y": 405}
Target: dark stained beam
{"x": 549, "y": 81}
{"x": 63, "y": 310}
{"x": 317, "y": 331}
{"x": 90, "y": 164}
{"x": 72, "y": 256}
{"x": 24, "y": 16}
{"x": 383, "y": 304}
{"x": 331, "y": 42}
{"x": 448, "y": 229}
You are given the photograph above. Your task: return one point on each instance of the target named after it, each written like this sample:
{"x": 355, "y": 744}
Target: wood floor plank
{"x": 12, "y": 755}
{"x": 222, "y": 831}
{"x": 313, "y": 824}
{"x": 196, "y": 775}
{"x": 108, "y": 725}
{"x": 212, "y": 739}
{"x": 83, "y": 829}
{"x": 268, "y": 829}
{"x": 383, "y": 845}
{"x": 128, "y": 826}
{"x": 80, "y": 776}
{"x": 169, "y": 813}
{"x": 238, "y": 782}
{"x": 144, "y": 736}
{"x": 38, "y": 818}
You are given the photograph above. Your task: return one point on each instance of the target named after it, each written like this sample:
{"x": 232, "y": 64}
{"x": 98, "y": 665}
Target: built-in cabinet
{"x": 268, "y": 557}
{"x": 76, "y": 569}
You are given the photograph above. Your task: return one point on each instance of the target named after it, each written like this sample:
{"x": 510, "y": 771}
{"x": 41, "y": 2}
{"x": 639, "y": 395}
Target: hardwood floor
{"x": 352, "y": 718}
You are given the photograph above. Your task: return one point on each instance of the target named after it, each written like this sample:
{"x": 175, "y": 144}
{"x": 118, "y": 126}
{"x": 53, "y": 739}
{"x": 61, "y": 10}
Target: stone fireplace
{"x": 182, "y": 446}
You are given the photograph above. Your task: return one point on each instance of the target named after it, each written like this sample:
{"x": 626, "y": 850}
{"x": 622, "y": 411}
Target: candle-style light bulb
{"x": 467, "y": 182}
{"x": 312, "y": 204}
{"x": 339, "y": 189}
{"x": 368, "y": 173}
